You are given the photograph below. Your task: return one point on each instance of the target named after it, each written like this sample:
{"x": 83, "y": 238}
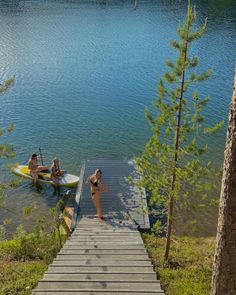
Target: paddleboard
{"x": 66, "y": 180}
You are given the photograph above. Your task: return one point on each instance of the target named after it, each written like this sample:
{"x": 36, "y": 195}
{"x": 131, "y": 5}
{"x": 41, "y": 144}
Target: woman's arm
{"x": 89, "y": 182}
{"x": 104, "y": 187}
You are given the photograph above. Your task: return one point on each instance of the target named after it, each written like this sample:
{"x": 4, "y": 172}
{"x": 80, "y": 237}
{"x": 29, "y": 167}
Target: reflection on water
{"x": 86, "y": 70}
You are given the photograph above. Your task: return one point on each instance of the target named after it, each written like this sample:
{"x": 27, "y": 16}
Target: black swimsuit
{"x": 95, "y": 184}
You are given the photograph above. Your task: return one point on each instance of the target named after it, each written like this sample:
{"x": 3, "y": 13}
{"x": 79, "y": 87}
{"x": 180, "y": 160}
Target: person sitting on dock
{"x": 56, "y": 172}
{"x": 35, "y": 168}
{"x": 97, "y": 186}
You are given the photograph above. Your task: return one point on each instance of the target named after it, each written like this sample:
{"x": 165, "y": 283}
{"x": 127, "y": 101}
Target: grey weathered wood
{"x": 108, "y": 231}
{"x": 104, "y": 243}
{"x": 101, "y": 232}
{"x": 76, "y": 245}
{"x": 99, "y": 269}
{"x": 73, "y": 292}
{"x": 104, "y": 236}
{"x": 100, "y": 286}
{"x": 114, "y": 240}
{"x": 97, "y": 244}
{"x": 101, "y": 262}
{"x": 107, "y": 257}
{"x": 114, "y": 277}
{"x": 77, "y": 197}
{"x": 102, "y": 251}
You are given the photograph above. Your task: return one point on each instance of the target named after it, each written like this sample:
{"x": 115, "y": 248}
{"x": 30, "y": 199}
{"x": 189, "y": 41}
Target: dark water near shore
{"x": 85, "y": 70}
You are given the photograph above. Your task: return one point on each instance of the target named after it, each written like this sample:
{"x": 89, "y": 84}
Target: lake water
{"x": 85, "y": 70}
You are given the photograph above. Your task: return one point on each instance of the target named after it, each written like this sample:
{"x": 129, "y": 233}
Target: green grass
{"x": 20, "y": 277}
{"x": 24, "y": 259}
{"x": 189, "y": 268}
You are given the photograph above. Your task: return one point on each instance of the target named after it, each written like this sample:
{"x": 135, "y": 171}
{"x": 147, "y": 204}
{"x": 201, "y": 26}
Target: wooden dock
{"x": 105, "y": 257}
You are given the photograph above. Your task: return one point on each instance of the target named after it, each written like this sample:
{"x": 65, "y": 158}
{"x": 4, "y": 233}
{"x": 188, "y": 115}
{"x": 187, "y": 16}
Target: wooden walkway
{"x": 105, "y": 257}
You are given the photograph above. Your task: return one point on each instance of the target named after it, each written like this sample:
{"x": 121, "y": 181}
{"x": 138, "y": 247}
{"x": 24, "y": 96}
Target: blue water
{"x": 85, "y": 70}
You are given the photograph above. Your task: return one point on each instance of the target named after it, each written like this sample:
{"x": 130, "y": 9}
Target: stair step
{"x": 76, "y": 245}
{"x": 105, "y": 257}
{"x": 102, "y": 262}
{"x": 106, "y": 237}
{"x": 101, "y": 277}
{"x": 77, "y": 292}
{"x": 61, "y": 268}
{"x": 106, "y": 240}
{"x": 105, "y": 233}
{"x": 102, "y": 251}
{"x": 103, "y": 243}
{"x": 100, "y": 286}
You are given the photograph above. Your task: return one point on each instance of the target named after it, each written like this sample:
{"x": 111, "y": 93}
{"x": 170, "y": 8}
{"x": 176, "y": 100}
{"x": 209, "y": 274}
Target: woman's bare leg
{"x": 34, "y": 175}
{"x": 56, "y": 184}
{"x": 97, "y": 204}
{"x": 41, "y": 168}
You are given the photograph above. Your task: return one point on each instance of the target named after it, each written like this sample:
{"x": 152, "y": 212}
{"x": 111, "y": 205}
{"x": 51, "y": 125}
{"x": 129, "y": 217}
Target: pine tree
{"x": 170, "y": 163}
{"x": 5, "y": 149}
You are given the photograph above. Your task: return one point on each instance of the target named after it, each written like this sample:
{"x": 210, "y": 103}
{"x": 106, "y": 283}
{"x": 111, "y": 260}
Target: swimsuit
{"x": 55, "y": 172}
{"x": 95, "y": 184}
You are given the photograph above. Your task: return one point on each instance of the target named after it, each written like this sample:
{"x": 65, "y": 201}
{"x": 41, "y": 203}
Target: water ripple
{"x": 85, "y": 73}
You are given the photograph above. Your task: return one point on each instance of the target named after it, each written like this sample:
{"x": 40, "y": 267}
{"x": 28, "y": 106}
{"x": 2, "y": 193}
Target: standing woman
{"x": 97, "y": 186}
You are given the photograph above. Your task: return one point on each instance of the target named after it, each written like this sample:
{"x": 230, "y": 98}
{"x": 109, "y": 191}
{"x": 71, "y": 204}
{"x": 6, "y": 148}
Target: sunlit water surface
{"x": 85, "y": 70}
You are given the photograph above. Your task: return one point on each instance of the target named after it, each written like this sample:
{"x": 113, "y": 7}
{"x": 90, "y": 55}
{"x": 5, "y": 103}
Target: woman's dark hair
{"x": 98, "y": 171}
{"x": 33, "y": 156}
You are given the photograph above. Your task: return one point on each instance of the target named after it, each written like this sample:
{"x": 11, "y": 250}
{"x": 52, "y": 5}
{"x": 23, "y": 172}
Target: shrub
{"x": 29, "y": 247}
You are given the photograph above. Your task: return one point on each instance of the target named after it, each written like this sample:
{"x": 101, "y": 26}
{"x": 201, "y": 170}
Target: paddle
{"x": 41, "y": 157}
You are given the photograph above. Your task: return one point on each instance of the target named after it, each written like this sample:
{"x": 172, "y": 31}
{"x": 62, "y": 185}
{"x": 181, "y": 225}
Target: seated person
{"x": 34, "y": 167}
{"x": 56, "y": 172}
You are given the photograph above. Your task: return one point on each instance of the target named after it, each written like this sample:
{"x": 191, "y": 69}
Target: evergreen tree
{"x": 170, "y": 164}
{"x": 5, "y": 149}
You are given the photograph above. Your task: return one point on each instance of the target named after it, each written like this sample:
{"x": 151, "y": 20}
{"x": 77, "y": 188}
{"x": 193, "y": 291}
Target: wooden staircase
{"x": 103, "y": 258}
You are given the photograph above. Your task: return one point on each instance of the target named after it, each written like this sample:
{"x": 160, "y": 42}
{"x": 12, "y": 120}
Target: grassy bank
{"x": 20, "y": 277}
{"x": 24, "y": 259}
{"x": 190, "y": 264}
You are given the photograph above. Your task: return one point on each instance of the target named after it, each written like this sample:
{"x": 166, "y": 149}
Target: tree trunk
{"x": 176, "y": 147}
{"x": 224, "y": 266}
